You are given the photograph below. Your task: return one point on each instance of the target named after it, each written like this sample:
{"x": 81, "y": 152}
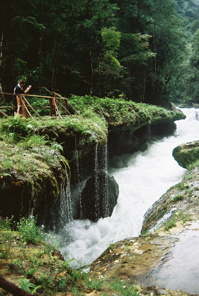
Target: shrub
{"x": 27, "y": 227}
{"x": 5, "y": 224}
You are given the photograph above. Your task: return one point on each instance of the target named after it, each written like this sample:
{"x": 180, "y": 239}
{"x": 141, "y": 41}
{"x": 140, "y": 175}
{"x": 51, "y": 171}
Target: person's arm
{"x": 27, "y": 89}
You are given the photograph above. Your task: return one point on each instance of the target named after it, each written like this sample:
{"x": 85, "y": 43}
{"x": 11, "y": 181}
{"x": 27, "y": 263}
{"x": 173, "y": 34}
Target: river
{"x": 143, "y": 178}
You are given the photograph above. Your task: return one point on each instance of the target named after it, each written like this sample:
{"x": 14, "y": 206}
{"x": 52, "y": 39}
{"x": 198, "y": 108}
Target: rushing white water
{"x": 145, "y": 177}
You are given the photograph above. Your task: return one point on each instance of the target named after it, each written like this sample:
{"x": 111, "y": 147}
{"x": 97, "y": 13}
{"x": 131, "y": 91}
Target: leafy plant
{"x": 16, "y": 128}
{"x": 26, "y": 285}
{"x": 5, "y": 223}
{"x": 61, "y": 284}
{"x": 34, "y": 140}
{"x": 27, "y": 227}
{"x": 56, "y": 146}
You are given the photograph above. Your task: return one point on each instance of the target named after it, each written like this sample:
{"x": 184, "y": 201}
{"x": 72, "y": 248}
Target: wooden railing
{"x": 58, "y": 105}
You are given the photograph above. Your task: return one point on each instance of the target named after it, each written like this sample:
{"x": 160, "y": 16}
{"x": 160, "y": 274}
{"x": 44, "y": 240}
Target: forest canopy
{"x": 145, "y": 51}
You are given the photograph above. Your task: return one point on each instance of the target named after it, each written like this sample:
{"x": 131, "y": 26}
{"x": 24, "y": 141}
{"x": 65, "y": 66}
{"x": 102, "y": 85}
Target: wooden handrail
{"x": 28, "y": 95}
{"x": 36, "y": 107}
{"x": 54, "y": 106}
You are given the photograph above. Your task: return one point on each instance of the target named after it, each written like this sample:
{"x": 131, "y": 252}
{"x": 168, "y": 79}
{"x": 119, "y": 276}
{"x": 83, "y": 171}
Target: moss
{"x": 121, "y": 112}
{"x": 28, "y": 178}
{"x": 187, "y": 154}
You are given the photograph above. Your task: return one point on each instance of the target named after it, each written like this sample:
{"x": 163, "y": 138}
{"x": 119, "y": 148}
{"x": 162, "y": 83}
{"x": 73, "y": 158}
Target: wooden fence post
{"x": 54, "y": 102}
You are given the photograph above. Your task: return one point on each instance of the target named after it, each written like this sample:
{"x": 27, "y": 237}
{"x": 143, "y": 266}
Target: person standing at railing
{"x": 19, "y": 102}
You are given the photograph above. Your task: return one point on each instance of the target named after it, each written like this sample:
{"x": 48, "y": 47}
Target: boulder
{"x": 186, "y": 154}
{"x": 98, "y": 197}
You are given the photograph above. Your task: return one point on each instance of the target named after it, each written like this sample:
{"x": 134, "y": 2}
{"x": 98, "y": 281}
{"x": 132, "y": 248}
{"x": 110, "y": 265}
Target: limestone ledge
{"x": 31, "y": 179}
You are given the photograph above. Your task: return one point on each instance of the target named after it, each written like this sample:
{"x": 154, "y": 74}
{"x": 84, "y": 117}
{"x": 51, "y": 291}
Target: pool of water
{"x": 180, "y": 270}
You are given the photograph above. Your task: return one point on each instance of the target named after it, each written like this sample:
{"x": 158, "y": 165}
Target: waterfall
{"x": 65, "y": 207}
{"x": 143, "y": 178}
{"x": 77, "y": 175}
{"x": 96, "y": 185}
{"x": 105, "y": 166}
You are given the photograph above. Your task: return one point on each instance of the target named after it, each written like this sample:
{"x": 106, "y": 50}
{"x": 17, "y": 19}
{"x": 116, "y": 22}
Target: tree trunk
{"x": 1, "y": 59}
{"x": 91, "y": 74}
{"x": 12, "y": 288}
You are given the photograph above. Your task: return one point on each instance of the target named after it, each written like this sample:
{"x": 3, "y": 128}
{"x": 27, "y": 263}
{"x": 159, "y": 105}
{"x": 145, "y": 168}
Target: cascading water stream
{"x": 142, "y": 178}
{"x": 96, "y": 180}
{"x": 105, "y": 165}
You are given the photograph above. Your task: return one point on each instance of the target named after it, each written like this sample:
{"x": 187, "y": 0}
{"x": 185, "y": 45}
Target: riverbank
{"x": 128, "y": 266}
{"x": 165, "y": 255}
{"x": 125, "y": 267}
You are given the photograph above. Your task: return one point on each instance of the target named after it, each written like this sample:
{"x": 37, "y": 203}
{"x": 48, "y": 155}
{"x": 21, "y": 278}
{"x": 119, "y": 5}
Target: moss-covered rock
{"x": 187, "y": 154}
{"x": 98, "y": 197}
{"x": 32, "y": 174}
{"x": 30, "y": 179}
{"x": 175, "y": 204}
{"x": 118, "y": 112}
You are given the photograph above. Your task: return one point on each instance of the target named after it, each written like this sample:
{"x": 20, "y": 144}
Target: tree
{"x": 185, "y": 89}
{"x": 100, "y": 47}
{"x": 160, "y": 20}
{"x": 108, "y": 68}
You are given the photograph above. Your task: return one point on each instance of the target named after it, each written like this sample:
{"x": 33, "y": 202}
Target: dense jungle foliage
{"x": 145, "y": 51}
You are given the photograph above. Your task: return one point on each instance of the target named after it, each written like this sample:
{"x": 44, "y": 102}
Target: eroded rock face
{"x": 178, "y": 202}
{"x": 129, "y": 139}
{"x": 98, "y": 197}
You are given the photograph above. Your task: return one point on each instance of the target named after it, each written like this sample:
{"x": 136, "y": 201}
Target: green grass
{"x": 119, "y": 111}
{"x": 124, "y": 288}
{"x": 171, "y": 222}
{"x": 177, "y": 198}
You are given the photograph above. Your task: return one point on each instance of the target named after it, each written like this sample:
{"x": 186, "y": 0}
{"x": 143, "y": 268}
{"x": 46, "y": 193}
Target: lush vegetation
{"x": 38, "y": 268}
{"x": 23, "y": 139}
{"x": 140, "y": 51}
{"x": 35, "y": 153}
{"x": 145, "y": 51}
